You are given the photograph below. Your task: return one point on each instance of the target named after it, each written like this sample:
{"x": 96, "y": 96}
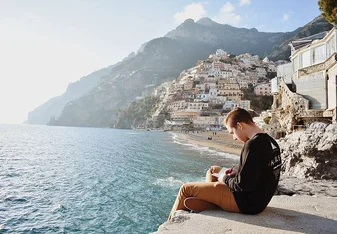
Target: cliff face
{"x": 231, "y": 39}
{"x": 161, "y": 60}
{"x": 241, "y": 40}
{"x": 311, "y": 153}
{"x": 54, "y": 106}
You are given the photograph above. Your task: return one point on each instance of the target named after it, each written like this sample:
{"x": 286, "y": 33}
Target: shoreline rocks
{"x": 311, "y": 153}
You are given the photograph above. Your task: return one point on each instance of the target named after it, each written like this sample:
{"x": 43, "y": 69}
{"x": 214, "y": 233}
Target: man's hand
{"x": 215, "y": 169}
{"x": 231, "y": 172}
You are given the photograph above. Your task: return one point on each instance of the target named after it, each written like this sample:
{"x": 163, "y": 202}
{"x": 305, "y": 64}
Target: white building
{"x": 200, "y": 87}
{"x": 274, "y": 85}
{"x": 208, "y": 122}
{"x": 265, "y": 60}
{"x": 213, "y": 92}
{"x": 216, "y": 65}
{"x": 203, "y": 97}
{"x": 235, "y": 72}
{"x": 193, "y": 106}
{"x": 315, "y": 70}
{"x": 188, "y": 85}
{"x": 230, "y": 105}
{"x": 263, "y": 89}
{"x": 226, "y": 73}
{"x": 220, "y": 52}
{"x": 261, "y": 72}
{"x": 210, "y": 85}
{"x": 177, "y": 105}
{"x": 178, "y": 87}
{"x": 243, "y": 84}
{"x": 249, "y": 59}
{"x": 211, "y": 79}
{"x": 245, "y": 104}
{"x": 271, "y": 67}
{"x": 218, "y": 100}
{"x": 285, "y": 71}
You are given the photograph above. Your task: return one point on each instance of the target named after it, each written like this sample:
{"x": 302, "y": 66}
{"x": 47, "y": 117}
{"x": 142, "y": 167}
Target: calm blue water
{"x": 89, "y": 180}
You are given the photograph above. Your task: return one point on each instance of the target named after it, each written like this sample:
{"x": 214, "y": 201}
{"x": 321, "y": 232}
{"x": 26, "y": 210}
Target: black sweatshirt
{"x": 258, "y": 175}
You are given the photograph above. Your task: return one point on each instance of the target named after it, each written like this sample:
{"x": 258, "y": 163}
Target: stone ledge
{"x": 285, "y": 214}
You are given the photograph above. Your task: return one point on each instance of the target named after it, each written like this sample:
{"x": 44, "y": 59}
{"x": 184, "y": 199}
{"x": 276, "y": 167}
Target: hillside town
{"x": 303, "y": 90}
{"x": 202, "y": 95}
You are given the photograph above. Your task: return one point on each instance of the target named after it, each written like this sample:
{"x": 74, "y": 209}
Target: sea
{"x": 94, "y": 180}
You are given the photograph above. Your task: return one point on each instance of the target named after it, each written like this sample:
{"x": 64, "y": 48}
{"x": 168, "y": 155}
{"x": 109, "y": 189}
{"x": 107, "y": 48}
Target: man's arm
{"x": 249, "y": 173}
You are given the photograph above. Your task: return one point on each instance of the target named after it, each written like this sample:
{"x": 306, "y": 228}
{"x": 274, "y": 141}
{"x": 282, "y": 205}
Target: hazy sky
{"x": 46, "y": 44}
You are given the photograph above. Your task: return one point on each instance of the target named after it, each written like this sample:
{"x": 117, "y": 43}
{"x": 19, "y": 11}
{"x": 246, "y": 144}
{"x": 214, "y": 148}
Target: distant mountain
{"x": 162, "y": 59}
{"x": 282, "y": 51}
{"x": 54, "y": 106}
{"x": 231, "y": 39}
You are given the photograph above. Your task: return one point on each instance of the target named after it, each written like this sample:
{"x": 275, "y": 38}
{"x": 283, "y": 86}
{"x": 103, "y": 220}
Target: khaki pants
{"x": 210, "y": 191}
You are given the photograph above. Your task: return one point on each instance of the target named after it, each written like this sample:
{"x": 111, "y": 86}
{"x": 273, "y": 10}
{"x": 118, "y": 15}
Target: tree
{"x": 217, "y": 106}
{"x": 329, "y": 10}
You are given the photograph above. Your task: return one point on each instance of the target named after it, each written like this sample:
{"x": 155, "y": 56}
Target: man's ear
{"x": 240, "y": 126}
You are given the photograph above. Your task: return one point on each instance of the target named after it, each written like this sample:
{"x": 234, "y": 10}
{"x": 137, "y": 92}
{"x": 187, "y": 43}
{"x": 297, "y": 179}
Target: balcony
{"x": 318, "y": 67}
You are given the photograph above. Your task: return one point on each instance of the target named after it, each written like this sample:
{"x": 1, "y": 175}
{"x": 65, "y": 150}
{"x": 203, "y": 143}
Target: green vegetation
{"x": 257, "y": 103}
{"x": 267, "y": 119}
{"x": 217, "y": 106}
{"x": 137, "y": 112}
{"x": 329, "y": 10}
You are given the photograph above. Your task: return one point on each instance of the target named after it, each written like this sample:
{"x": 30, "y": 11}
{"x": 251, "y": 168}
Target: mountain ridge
{"x": 162, "y": 59}
{"x": 53, "y": 107}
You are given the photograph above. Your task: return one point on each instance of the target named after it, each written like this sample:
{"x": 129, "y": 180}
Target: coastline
{"x": 222, "y": 141}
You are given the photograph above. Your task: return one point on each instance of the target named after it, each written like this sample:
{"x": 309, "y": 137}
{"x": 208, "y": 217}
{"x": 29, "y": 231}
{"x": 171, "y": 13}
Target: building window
{"x": 331, "y": 47}
{"x": 295, "y": 63}
{"x": 318, "y": 54}
{"x": 306, "y": 59}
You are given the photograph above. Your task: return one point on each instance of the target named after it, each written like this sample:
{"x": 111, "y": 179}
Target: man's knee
{"x": 185, "y": 186}
{"x": 218, "y": 184}
{"x": 186, "y": 189}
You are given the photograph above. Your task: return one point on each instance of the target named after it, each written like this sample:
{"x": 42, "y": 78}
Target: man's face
{"x": 238, "y": 132}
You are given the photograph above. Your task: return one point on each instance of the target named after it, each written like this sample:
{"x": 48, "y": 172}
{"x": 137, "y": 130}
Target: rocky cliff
{"x": 311, "y": 152}
{"x": 231, "y": 39}
{"x": 161, "y": 60}
{"x": 54, "y": 106}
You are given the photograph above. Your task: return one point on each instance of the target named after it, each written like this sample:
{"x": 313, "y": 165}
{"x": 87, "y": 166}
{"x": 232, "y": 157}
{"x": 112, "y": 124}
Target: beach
{"x": 220, "y": 140}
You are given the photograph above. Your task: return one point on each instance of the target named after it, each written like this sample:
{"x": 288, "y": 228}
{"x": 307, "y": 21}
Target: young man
{"x": 246, "y": 190}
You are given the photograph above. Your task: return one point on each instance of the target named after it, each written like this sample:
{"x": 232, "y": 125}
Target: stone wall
{"x": 287, "y": 107}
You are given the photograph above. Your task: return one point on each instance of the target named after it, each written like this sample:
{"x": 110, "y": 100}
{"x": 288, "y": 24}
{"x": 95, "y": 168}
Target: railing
{"x": 318, "y": 67}
{"x": 288, "y": 97}
{"x": 328, "y": 113}
{"x": 313, "y": 113}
